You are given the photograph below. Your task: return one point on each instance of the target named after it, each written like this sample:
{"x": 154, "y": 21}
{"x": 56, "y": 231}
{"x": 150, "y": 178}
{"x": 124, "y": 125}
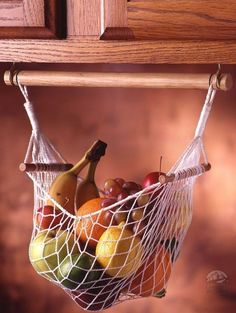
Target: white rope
{"x": 37, "y": 136}
{"x": 204, "y": 154}
{"x": 29, "y": 108}
{"x": 24, "y": 92}
{"x": 28, "y": 154}
{"x": 205, "y": 112}
{"x": 32, "y": 117}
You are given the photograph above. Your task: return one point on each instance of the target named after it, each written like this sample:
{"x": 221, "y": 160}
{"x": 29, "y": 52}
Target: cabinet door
{"x": 178, "y": 20}
{"x": 32, "y": 19}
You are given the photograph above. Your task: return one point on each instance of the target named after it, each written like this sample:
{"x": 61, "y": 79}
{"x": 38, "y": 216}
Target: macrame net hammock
{"x": 122, "y": 264}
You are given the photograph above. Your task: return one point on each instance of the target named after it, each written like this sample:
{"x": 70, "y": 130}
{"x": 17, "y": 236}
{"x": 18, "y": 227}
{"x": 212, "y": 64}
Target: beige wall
{"x": 139, "y": 126}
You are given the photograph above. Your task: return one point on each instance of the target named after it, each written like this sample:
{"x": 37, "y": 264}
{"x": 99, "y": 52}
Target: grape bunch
{"x": 137, "y": 213}
{"x": 118, "y": 189}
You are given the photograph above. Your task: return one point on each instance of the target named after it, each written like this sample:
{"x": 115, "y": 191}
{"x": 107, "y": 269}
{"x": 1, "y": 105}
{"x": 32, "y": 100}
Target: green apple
{"x": 79, "y": 271}
{"x": 48, "y": 249}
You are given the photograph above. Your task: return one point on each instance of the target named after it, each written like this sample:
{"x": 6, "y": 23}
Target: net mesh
{"x": 96, "y": 260}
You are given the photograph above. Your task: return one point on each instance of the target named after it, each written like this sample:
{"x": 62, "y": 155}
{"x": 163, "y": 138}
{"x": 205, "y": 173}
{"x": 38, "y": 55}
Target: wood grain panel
{"x": 34, "y": 19}
{"x": 115, "y": 13}
{"x": 114, "y": 20}
{"x": 182, "y": 19}
{"x": 84, "y": 18}
{"x": 34, "y": 13}
{"x": 11, "y": 13}
{"x": 140, "y": 52}
{"x": 22, "y": 13}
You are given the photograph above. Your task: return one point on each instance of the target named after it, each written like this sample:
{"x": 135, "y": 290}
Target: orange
{"x": 91, "y": 228}
{"x": 153, "y": 274}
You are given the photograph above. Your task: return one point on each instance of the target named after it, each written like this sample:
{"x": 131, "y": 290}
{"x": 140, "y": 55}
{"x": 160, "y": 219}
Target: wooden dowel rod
{"x": 189, "y": 172}
{"x": 129, "y": 80}
{"x": 43, "y": 167}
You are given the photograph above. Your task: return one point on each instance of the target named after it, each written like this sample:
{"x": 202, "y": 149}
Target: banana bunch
{"x": 65, "y": 189}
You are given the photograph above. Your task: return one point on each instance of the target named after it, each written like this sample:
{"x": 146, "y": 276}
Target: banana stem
{"x": 93, "y": 154}
{"x": 97, "y": 150}
{"x": 77, "y": 168}
{"x": 91, "y": 171}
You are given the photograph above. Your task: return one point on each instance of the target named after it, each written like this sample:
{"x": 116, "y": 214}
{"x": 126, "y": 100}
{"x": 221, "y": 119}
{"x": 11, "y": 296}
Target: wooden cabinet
{"x": 182, "y": 19}
{"x": 120, "y": 31}
{"x": 32, "y": 19}
{"x": 170, "y": 20}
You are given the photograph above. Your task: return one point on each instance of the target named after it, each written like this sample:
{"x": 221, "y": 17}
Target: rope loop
{"x": 29, "y": 108}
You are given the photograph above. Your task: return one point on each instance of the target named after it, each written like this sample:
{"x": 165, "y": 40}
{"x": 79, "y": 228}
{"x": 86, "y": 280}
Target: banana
{"x": 63, "y": 188}
{"x": 87, "y": 189}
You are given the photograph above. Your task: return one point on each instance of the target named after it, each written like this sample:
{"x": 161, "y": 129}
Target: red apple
{"x": 153, "y": 194}
{"x": 151, "y": 178}
{"x": 49, "y": 217}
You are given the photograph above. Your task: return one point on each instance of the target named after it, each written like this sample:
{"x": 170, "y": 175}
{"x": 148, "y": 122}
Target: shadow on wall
{"x": 139, "y": 126}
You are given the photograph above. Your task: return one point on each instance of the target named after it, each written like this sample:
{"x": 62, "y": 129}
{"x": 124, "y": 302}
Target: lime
{"x": 78, "y": 271}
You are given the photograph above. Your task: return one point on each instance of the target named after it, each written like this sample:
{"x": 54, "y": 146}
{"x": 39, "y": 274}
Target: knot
{"x": 29, "y": 108}
{"x": 31, "y": 114}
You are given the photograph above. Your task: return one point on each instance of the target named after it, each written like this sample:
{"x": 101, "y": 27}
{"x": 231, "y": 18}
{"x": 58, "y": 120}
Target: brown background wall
{"x": 139, "y": 126}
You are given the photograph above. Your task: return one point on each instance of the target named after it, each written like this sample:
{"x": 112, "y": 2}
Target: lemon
{"x": 119, "y": 251}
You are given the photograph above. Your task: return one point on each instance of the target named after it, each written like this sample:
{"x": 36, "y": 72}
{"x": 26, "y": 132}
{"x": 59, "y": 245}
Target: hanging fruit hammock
{"x": 104, "y": 247}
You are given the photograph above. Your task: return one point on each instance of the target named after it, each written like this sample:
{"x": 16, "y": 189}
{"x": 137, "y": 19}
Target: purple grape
{"x": 124, "y": 194}
{"x": 130, "y": 185}
{"x": 120, "y": 181}
{"x": 108, "y": 201}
